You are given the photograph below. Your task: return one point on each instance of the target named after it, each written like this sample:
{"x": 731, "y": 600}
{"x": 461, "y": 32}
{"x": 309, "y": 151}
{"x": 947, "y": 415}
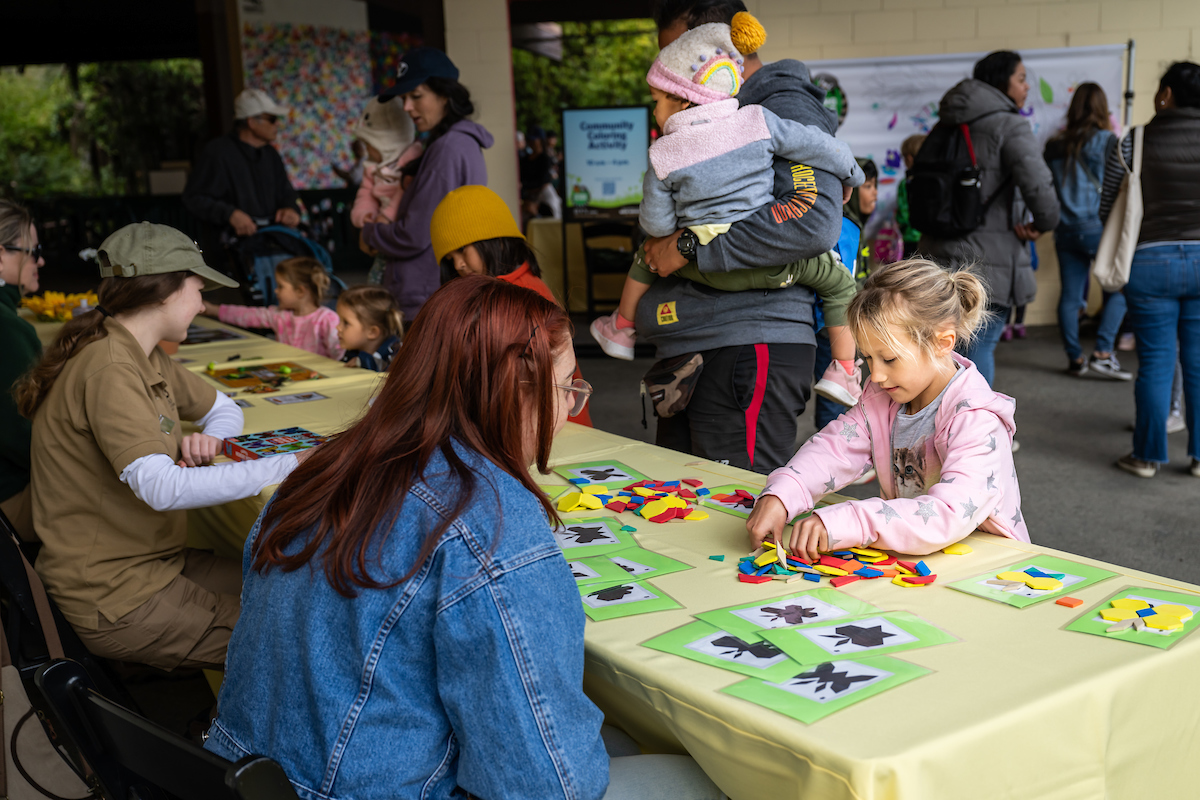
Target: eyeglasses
{"x": 35, "y": 252}
{"x": 581, "y": 391}
{"x": 270, "y": 119}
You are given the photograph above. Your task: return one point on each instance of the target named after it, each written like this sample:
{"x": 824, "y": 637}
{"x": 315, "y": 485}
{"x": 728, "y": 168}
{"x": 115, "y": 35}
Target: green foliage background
{"x": 604, "y": 64}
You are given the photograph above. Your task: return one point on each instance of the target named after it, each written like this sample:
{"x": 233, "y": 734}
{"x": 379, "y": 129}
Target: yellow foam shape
{"x": 1117, "y": 614}
{"x": 569, "y": 501}
{"x": 899, "y": 581}
{"x": 870, "y": 559}
{"x": 958, "y": 549}
{"x": 1043, "y": 584}
{"x": 654, "y": 508}
{"x": 590, "y": 501}
{"x": 1130, "y": 603}
{"x": 595, "y": 489}
{"x": 1173, "y": 610}
{"x": 1163, "y": 622}
{"x": 866, "y": 551}
{"x": 903, "y": 571}
{"x": 697, "y": 515}
{"x": 824, "y": 570}
{"x": 1020, "y": 577}
{"x": 769, "y": 557}
{"x": 643, "y": 491}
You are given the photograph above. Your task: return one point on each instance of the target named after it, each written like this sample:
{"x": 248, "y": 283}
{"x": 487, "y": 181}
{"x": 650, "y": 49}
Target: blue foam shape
{"x": 702, "y": 491}
{"x": 923, "y": 570}
{"x": 866, "y": 572}
{"x": 846, "y": 554}
{"x": 764, "y": 570}
{"x": 1034, "y": 572}
{"x": 1146, "y": 612}
{"x": 579, "y": 481}
{"x": 747, "y": 567}
{"x": 671, "y": 483}
{"x": 812, "y": 576}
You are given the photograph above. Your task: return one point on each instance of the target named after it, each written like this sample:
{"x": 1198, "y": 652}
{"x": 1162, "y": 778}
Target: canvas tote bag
{"x": 1120, "y": 238}
{"x": 31, "y": 768}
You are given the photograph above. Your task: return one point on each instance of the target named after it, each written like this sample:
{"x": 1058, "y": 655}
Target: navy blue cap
{"x": 419, "y": 65}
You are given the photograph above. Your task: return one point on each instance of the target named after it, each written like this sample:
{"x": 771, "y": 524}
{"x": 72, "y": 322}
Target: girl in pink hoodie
{"x": 928, "y": 422}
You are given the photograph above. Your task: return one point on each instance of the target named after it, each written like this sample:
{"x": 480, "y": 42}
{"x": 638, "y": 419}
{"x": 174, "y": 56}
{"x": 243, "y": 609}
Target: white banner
{"x": 886, "y": 100}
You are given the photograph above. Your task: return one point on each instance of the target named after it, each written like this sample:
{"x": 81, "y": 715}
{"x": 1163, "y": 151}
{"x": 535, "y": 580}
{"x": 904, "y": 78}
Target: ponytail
{"x": 306, "y": 273}
{"x": 116, "y": 296}
{"x": 374, "y": 305}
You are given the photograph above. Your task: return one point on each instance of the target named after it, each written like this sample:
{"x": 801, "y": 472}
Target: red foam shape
{"x": 633, "y": 486}
{"x": 743, "y": 493}
{"x": 665, "y": 516}
{"x": 796, "y": 560}
{"x": 887, "y": 562}
{"x": 693, "y": 481}
{"x": 842, "y": 580}
{"x": 616, "y": 505}
{"x": 919, "y": 579}
{"x": 830, "y": 561}
{"x": 908, "y": 565}
{"x": 744, "y": 578}
{"x": 687, "y": 495}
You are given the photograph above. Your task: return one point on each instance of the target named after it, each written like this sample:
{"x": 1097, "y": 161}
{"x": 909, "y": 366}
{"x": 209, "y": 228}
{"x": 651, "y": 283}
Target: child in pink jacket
{"x": 388, "y": 134}
{"x": 928, "y": 422}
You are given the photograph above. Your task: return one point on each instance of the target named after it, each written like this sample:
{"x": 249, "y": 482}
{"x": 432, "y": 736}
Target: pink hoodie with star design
{"x": 978, "y": 488}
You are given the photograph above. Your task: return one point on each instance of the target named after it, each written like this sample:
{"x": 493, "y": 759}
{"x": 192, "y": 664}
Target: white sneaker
{"x": 1175, "y": 423}
{"x": 1135, "y": 466}
{"x": 1108, "y": 367}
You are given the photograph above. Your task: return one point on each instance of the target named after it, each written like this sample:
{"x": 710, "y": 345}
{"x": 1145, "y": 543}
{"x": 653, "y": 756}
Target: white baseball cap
{"x": 252, "y": 102}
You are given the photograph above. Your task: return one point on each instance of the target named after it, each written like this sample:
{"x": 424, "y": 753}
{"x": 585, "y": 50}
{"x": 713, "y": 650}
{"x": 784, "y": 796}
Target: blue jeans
{"x": 825, "y": 410}
{"x": 982, "y": 350}
{"x": 1164, "y": 308}
{"x": 1076, "y": 248}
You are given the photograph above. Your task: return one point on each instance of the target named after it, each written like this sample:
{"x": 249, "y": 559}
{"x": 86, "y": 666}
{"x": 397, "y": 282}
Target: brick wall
{"x": 1164, "y": 30}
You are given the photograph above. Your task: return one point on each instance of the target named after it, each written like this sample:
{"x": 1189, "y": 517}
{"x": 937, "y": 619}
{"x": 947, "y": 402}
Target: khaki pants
{"x": 187, "y": 624}
{"x": 19, "y": 510}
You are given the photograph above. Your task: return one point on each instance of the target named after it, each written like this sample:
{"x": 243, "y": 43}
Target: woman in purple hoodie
{"x": 427, "y": 84}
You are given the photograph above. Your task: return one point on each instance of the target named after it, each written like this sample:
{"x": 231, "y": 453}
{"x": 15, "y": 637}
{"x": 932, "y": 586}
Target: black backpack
{"x": 945, "y": 198}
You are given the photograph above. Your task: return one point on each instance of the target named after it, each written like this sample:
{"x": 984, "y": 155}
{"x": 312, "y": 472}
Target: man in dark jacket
{"x": 240, "y": 183}
{"x": 758, "y": 347}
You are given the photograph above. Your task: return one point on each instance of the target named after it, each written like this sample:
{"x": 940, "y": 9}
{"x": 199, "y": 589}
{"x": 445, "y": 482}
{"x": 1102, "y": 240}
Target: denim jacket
{"x": 1079, "y": 190}
{"x": 469, "y": 674}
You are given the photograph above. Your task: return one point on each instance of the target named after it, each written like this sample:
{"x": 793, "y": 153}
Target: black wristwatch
{"x": 687, "y": 244}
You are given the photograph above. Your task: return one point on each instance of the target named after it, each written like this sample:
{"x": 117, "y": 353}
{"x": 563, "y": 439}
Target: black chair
{"x": 22, "y": 623}
{"x": 606, "y": 260}
{"x": 130, "y": 756}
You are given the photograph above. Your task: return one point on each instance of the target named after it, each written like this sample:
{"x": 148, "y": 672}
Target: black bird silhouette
{"x": 792, "y": 615}
{"x": 863, "y": 637}
{"x": 612, "y": 593}
{"x": 585, "y": 534}
{"x": 758, "y": 650}
{"x": 823, "y": 677}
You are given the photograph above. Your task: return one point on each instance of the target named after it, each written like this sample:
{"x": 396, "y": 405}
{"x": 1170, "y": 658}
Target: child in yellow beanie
{"x": 713, "y": 167}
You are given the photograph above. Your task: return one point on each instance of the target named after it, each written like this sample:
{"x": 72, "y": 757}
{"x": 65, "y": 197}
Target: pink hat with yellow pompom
{"x": 705, "y": 64}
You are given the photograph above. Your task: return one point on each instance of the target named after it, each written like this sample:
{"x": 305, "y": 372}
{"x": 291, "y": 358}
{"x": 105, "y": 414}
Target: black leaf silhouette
{"x": 600, "y": 475}
{"x": 792, "y": 615}
{"x": 863, "y": 637}
{"x": 823, "y": 677}
{"x": 584, "y": 534}
{"x": 612, "y": 593}
{"x": 758, "y": 650}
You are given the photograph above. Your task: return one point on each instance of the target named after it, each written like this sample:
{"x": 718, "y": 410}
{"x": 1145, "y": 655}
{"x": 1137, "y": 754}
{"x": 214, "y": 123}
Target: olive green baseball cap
{"x": 145, "y": 248}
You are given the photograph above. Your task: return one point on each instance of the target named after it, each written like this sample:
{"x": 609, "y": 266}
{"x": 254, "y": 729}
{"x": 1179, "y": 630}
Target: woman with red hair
{"x": 409, "y": 627}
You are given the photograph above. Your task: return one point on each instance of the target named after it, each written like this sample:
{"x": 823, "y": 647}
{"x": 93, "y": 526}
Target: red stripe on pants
{"x": 762, "y": 361}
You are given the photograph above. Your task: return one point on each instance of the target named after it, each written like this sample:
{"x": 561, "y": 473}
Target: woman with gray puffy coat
{"x": 1010, "y": 162}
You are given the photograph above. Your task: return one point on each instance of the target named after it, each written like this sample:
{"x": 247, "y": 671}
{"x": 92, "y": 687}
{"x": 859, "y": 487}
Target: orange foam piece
{"x": 1069, "y": 602}
{"x": 844, "y": 579}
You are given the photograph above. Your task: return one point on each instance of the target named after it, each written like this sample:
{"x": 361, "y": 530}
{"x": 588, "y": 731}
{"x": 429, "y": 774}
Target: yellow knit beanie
{"x": 467, "y": 215}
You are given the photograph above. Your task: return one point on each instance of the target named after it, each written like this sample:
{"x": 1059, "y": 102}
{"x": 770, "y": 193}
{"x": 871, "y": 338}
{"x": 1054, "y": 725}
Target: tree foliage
{"x": 604, "y": 64}
{"x": 35, "y": 149}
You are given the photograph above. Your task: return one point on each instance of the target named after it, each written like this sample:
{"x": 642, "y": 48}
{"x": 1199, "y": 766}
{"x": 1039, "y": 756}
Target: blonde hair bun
{"x": 747, "y": 33}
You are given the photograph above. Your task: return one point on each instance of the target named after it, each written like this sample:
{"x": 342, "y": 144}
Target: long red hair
{"x": 477, "y": 367}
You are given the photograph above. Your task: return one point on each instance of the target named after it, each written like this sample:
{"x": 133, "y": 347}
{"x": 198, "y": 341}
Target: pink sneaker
{"x": 617, "y": 342}
{"x": 840, "y": 387}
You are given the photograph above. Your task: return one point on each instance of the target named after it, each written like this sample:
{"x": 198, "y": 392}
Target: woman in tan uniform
{"x": 113, "y": 474}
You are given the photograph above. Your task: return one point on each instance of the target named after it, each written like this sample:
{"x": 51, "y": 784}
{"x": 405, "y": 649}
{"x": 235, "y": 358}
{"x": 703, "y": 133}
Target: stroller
{"x": 255, "y": 257}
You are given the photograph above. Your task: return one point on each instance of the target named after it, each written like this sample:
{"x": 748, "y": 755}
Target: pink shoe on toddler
{"x": 840, "y": 387}
{"x": 616, "y": 342}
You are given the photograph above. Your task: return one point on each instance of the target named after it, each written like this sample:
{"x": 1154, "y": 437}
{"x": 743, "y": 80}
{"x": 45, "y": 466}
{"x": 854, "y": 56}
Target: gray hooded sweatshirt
{"x": 1004, "y": 147}
{"x": 805, "y": 220}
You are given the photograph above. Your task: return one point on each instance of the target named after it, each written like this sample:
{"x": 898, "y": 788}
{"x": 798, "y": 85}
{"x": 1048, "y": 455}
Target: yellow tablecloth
{"x": 1019, "y": 708}
{"x": 545, "y": 239}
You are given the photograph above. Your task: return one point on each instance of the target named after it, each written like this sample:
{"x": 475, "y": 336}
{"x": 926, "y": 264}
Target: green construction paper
{"x": 659, "y": 600}
{"x": 552, "y": 491}
{"x": 614, "y": 538}
{"x": 676, "y": 642}
{"x": 597, "y": 569}
{"x": 829, "y": 605}
{"x": 642, "y": 558}
{"x": 1086, "y": 575}
{"x": 1090, "y": 622}
{"x": 807, "y": 709}
{"x": 631, "y": 475}
{"x": 910, "y": 632}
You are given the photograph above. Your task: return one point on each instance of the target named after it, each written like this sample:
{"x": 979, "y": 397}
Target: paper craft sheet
{"x": 592, "y": 537}
{"x": 1076, "y": 576}
{"x": 814, "y": 606}
{"x": 552, "y": 491}
{"x": 820, "y": 690}
{"x": 1090, "y": 621}
{"x": 613, "y": 474}
{"x": 699, "y": 641}
{"x": 608, "y": 601}
{"x": 880, "y": 633}
{"x": 263, "y": 377}
{"x": 738, "y": 508}
{"x": 596, "y": 569}
{"x": 639, "y": 563}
